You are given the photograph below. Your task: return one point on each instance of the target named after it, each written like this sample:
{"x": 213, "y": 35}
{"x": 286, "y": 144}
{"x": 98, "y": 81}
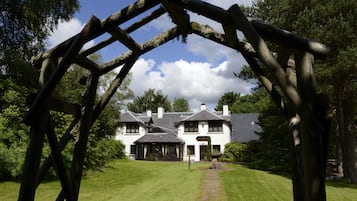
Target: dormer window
{"x": 132, "y": 128}
{"x": 191, "y": 126}
{"x": 215, "y": 126}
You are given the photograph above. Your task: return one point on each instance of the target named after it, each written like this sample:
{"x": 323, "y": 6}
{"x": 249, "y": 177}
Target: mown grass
{"x": 243, "y": 184}
{"x": 127, "y": 180}
{"x": 155, "y": 181}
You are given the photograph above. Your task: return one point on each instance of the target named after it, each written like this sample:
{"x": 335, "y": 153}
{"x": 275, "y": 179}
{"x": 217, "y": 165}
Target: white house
{"x": 176, "y": 135}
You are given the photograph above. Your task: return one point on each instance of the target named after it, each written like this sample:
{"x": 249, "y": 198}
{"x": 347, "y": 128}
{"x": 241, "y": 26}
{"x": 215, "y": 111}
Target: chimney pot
{"x": 225, "y": 110}
{"x": 160, "y": 112}
{"x": 148, "y": 113}
{"x": 203, "y": 107}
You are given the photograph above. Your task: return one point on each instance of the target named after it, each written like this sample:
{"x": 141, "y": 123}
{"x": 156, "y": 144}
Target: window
{"x": 132, "y": 128}
{"x": 191, "y": 126}
{"x": 216, "y": 148}
{"x": 132, "y": 149}
{"x": 190, "y": 150}
{"x": 215, "y": 126}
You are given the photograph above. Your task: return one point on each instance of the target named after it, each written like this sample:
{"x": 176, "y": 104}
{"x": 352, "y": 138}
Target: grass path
{"x": 172, "y": 181}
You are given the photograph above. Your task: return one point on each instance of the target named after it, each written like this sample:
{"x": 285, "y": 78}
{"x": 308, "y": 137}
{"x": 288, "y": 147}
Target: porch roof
{"x": 159, "y": 138}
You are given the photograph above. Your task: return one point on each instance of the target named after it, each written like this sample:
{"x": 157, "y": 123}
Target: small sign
{"x": 202, "y": 138}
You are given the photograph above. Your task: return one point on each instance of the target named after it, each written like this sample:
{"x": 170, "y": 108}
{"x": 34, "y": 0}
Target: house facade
{"x": 180, "y": 135}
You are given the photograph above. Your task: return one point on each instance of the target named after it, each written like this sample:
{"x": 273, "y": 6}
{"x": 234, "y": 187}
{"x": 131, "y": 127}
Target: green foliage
{"x": 251, "y": 103}
{"x": 101, "y": 151}
{"x": 227, "y": 99}
{"x": 235, "y": 152}
{"x": 333, "y": 23}
{"x": 272, "y": 149}
{"x": 180, "y": 105}
{"x": 25, "y": 24}
{"x": 151, "y": 100}
{"x": 13, "y": 133}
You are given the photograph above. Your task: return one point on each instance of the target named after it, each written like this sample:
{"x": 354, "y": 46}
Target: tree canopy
{"x": 25, "y": 24}
{"x": 180, "y": 105}
{"x": 334, "y": 23}
{"x": 151, "y": 100}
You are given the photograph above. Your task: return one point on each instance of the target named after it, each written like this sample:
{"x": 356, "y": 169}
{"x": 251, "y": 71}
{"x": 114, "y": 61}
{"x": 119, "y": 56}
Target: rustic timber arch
{"x": 297, "y": 97}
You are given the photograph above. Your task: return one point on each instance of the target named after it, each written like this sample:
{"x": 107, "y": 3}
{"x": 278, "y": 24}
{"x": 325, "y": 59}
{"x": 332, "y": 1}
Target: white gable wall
{"x": 217, "y": 138}
{"x": 128, "y": 139}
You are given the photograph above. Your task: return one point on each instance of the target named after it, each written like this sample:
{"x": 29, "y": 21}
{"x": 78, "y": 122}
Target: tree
{"x": 251, "y": 103}
{"x": 334, "y": 23}
{"x": 25, "y": 24}
{"x": 227, "y": 99}
{"x": 180, "y": 105}
{"x": 151, "y": 100}
{"x": 14, "y": 134}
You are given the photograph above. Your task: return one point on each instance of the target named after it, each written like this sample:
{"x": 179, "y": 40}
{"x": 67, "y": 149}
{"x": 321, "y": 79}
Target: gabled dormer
{"x": 203, "y": 121}
{"x": 134, "y": 124}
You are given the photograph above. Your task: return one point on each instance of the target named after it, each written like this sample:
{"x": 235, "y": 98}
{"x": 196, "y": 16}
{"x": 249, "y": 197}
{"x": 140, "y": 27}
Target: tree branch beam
{"x": 67, "y": 136}
{"x": 62, "y": 67}
{"x": 86, "y": 63}
{"x": 116, "y": 19}
{"x": 155, "y": 14}
{"x": 147, "y": 46}
{"x": 58, "y": 160}
{"x": 178, "y": 16}
{"x": 268, "y": 32}
{"x": 247, "y": 52}
{"x": 124, "y": 38}
{"x": 265, "y": 55}
{"x": 85, "y": 125}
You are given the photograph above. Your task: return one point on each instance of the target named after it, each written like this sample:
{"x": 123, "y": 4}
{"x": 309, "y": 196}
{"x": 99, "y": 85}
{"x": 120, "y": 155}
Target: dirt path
{"x": 211, "y": 189}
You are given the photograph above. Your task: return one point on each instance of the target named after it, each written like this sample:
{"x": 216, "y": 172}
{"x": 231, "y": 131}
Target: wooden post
{"x": 58, "y": 160}
{"x": 37, "y": 135}
{"x": 81, "y": 145}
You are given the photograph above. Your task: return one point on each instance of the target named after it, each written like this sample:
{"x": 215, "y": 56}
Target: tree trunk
{"x": 344, "y": 114}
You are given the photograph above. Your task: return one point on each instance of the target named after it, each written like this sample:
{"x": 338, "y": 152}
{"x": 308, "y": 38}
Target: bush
{"x": 235, "y": 152}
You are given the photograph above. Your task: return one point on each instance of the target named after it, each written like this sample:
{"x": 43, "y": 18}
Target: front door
{"x": 203, "y": 150}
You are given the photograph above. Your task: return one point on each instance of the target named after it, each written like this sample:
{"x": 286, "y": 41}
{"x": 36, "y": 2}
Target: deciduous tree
{"x": 151, "y": 100}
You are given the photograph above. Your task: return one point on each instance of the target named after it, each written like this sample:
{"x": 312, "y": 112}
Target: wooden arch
{"x": 297, "y": 97}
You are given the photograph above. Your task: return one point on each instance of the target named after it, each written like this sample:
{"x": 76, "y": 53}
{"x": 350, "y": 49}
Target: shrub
{"x": 235, "y": 152}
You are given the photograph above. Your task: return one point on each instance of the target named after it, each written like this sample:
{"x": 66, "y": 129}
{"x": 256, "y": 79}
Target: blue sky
{"x": 200, "y": 70}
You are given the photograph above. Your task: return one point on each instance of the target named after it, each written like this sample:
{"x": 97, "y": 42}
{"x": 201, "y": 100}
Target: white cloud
{"x": 198, "y": 82}
{"x": 64, "y": 31}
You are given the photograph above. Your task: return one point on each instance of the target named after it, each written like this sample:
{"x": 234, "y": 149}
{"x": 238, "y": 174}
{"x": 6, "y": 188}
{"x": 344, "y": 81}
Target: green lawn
{"x": 155, "y": 181}
{"x": 244, "y": 184}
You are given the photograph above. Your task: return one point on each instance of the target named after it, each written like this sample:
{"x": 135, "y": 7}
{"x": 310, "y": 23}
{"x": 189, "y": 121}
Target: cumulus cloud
{"x": 198, "y": 82}
{"x": 64, "y": 31}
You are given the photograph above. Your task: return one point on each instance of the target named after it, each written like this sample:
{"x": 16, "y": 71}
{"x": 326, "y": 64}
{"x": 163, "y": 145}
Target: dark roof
{"x": 244, "y": 127}
{"x": 203, "y": 115}
{"x": 129, "y": 117}
{"x": 170, "y": 119}
{"x": 159, "y": 138}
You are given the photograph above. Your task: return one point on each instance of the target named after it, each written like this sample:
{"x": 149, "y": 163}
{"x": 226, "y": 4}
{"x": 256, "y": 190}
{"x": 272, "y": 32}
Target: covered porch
{"x": 159, "y": 147}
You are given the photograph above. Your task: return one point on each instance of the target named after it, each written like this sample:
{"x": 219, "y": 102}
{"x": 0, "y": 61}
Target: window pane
{"x": 216, "y": 148}
{"x": 191, "y": 126}
{"x": 132, "y": 128}
{"x": 132, "y": 149}
{"x": 215, "y": 126}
